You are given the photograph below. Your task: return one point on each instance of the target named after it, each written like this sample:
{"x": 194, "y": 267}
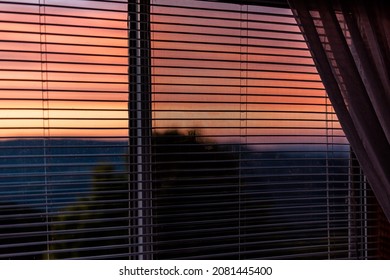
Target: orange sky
{"x": 230, "y": 95}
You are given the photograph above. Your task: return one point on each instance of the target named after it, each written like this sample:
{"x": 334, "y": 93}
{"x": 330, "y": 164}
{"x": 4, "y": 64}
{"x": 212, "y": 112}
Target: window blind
{"x": 171, "y": 129}
{"x": 249, "y": 160}
{"x": 64, "y": 183}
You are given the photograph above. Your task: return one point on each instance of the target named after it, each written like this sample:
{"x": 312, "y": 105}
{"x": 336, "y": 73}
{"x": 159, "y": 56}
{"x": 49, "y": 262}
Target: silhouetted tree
{"x": 196, "y": 199}
{"x": 96, "y": 225}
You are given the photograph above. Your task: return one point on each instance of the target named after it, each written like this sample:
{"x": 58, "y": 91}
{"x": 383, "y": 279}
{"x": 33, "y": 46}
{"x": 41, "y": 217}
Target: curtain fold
{"x": 350, "y": 44}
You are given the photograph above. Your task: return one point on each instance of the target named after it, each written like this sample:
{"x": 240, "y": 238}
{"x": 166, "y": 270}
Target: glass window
{"x": 169, "y": 129}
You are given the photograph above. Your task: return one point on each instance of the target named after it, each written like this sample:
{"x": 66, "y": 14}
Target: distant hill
{"x": 64, "y": 165}
{"x": 67, "y": 165}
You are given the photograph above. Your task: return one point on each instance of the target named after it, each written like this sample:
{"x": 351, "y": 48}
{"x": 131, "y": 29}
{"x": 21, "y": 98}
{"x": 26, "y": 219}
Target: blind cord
{"x": 45, "y": 111}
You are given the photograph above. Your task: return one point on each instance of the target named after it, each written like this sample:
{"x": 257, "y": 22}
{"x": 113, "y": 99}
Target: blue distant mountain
{"x": 27, "y": 166}
{"x": 64, "y": 169}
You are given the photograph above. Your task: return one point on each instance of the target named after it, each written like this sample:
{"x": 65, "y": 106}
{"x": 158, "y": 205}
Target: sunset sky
{"x": 64, "y": 72}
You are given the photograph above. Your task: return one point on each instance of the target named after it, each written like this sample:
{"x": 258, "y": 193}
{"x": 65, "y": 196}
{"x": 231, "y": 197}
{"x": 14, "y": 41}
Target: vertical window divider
{"x": 140, "y": 128}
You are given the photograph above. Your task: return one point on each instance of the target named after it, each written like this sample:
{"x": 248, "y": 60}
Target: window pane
{"x": 249, "y": 159}
{"x": 64, "y": 129}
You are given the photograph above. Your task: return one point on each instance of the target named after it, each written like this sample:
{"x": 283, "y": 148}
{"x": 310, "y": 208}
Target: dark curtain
{"x": 350, "y": 43}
